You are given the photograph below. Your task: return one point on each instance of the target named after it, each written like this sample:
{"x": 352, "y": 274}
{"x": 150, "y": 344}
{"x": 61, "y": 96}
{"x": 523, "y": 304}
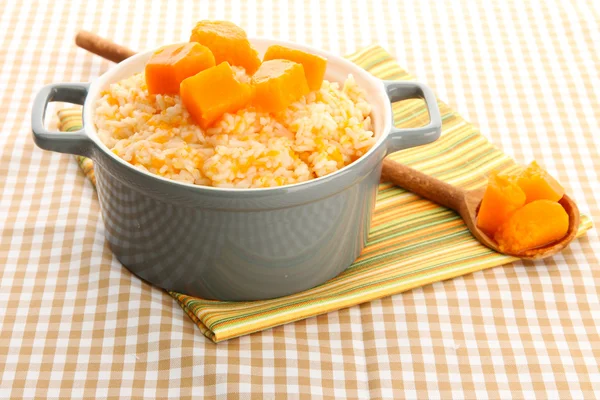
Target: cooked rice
{"x": 315, "y": 136}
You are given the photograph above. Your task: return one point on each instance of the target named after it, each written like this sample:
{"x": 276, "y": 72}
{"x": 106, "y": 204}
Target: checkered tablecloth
{"x": 74, "y": 323}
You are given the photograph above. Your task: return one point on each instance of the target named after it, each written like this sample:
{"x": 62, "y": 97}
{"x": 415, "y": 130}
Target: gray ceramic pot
{"x": 237, "y": 244}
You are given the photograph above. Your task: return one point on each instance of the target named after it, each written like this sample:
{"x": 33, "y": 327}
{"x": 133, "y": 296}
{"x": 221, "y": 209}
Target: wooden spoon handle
{"x": 424, "y": 185}
{"x": 102, "y": 47}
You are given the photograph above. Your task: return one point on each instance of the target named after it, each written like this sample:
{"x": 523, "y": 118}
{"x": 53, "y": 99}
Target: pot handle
{"x": 399, "y": 139}
{"x": 76, "y": 142}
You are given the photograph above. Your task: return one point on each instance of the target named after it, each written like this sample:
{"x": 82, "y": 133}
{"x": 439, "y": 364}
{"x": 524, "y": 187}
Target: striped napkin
{"x": 412, "y": 242}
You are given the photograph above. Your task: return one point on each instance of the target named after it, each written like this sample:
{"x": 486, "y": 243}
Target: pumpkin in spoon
{"x": 521, "y": 211}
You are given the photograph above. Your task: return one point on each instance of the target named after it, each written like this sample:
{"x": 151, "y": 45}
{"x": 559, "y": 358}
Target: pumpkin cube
{"x": 536, "y": 224}
{"x": 213, "y": 92}
{"x": 314, "y": 65}
{"x": 502, "y": 197}
{"x": 170, "y": 65}
{"x": 228, "y": 42}
{"x": 277, "y": 84}
{"x": 538, "y": 184}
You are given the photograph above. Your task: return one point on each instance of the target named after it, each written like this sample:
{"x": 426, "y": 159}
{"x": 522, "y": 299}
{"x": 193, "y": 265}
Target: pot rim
{"x": 382, "y": 134}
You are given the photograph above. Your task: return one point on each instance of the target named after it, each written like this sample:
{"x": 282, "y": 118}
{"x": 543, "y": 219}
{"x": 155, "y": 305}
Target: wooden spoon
{"x": 465, "y": 203}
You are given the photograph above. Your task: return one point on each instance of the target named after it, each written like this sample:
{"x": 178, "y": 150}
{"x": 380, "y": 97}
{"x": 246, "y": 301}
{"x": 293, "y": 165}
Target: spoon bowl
{"x": 466, "y": 203}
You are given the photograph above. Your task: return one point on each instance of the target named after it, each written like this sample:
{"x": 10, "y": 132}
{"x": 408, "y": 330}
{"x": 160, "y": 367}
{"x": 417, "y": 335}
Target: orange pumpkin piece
{"x": 538, "y": 184}
{"x": 534, "y": 225}
{"x": 277, "y": 84}
{"x": 314, "y": 65}
{"x": 228, "y": 42}
{"x": 502, "y": 197}
{"x": 170, "y": 65}
{"x": 213, "y": 92}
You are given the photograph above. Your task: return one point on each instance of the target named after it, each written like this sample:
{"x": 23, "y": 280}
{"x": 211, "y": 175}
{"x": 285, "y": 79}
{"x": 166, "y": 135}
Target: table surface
{"x": 75, "y": 323}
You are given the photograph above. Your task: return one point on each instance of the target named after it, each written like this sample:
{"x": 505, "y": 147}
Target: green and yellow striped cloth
{"x": 412, "y": 243}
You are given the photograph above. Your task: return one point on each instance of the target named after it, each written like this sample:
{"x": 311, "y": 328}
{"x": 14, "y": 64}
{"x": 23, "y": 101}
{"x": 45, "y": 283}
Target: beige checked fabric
{"x": 74, "y": 323}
